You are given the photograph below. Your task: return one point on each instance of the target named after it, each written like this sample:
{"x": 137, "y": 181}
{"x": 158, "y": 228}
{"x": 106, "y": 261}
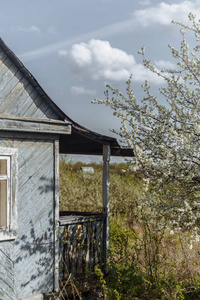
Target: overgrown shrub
{"x": 147, "y": 260}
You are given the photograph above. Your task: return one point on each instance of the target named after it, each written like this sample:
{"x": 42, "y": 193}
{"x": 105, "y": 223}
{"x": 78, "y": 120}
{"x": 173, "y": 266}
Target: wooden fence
{"x": 81, "y": 243}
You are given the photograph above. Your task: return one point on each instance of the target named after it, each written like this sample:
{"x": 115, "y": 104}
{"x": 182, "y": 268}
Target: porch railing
{"x": 81, "y": 243}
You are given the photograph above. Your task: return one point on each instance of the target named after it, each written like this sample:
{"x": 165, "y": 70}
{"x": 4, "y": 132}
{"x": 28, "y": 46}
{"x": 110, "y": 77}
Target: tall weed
{"x": 147, "y": 260}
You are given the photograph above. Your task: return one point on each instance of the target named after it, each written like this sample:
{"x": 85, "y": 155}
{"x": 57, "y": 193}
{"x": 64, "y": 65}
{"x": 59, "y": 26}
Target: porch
{"x": 81, "y": 243}
{"x": 83, "y": 237}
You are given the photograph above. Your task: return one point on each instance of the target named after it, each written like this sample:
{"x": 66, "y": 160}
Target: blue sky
{"x": 75, "y": 47}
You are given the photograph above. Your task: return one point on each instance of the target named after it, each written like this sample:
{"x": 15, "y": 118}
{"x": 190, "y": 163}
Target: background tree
{"x": 165, "y": 132}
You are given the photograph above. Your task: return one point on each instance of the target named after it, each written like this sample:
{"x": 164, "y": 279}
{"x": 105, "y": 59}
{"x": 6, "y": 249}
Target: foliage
{"x": 146, "y": 259}
{"x": 165, "y": 132}
{"x": 100, "y": 275}
{"x": 124, "y": 278}
{"x": 150, "y": 264}
{"x": 79, "y": 191}
{"x": 83, "y": 192}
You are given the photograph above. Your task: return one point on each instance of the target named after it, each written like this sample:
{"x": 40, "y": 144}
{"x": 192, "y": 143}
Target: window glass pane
{"x": 3, "y": 167}
{"x": 3, "y": 203}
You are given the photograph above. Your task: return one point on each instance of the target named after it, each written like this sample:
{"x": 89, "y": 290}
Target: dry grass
{"x": 144, "y": 262}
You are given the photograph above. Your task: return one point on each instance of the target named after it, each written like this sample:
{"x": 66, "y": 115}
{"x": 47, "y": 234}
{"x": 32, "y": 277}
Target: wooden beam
{"x": 29, "y": 125}
{"x": 106, "y": 208}
{"x": 20, "y": 118}
{"x": 80, "y": 219}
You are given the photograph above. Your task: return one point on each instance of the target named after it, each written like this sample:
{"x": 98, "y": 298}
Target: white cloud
{"x": 80, "y": 90}
{"x": 81, "y": 54}
{"x": 32, "y": 28}
{"x": 164, "y": 13}
{"x": 98, "y": 60}
{"x": 103, "y": 32}
{"x": 165, "y": 64}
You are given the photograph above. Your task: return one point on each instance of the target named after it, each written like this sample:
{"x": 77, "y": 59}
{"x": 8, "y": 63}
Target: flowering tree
{"x": 166, "y": 137}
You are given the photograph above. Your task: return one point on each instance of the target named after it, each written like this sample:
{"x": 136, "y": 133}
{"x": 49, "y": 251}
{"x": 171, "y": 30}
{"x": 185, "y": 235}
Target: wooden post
{"x": 106, "y": 209}
{"x": 56, "y": 216}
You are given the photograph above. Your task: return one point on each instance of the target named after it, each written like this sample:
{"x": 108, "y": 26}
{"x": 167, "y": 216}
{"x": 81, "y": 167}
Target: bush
{"x": 147, "y": 260}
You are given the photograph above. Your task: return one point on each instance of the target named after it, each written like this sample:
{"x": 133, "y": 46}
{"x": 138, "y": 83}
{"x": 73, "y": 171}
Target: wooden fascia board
{"x": 125, "y": 152}
{"x": 98, "y": 138}
{"x": 34, "y": 125}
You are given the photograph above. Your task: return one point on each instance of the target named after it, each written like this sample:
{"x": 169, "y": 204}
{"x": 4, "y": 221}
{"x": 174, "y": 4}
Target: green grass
{"x": 146, "y": 260}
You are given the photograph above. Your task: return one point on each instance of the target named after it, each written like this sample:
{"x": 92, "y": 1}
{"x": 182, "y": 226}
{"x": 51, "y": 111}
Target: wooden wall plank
{"x": 56, "y": 218}
{"x": 11, "y": 83}
{"x": 7, "y": 71}
{"x": 36, "y": 216}
{"x": 6, "y": 271}
{"x": 18, "y": 105}
{"x": 3, "y": 56}
{"x": 41, "y": 111}
{"x": 12, "y": 97}
{"x": 33, "y": 250}
{"x": 15, "y": 94}
{"x": 34, "y": 108}
{"x": 29, "y": 106}
{"x": 51, "y": 114}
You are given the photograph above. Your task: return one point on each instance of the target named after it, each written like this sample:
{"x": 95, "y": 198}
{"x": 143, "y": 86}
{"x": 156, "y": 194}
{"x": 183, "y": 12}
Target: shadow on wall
{"x": 47, "y": 186}
{"x": 35, "y": 248}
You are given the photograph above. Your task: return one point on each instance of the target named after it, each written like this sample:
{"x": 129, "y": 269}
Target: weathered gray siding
{"x": 6, "y": 271}
{"x": 26, "y": 265}
{"x": 17, "y": 96}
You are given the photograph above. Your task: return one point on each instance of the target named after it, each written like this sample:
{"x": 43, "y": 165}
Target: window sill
{"x": 7, "y": 236}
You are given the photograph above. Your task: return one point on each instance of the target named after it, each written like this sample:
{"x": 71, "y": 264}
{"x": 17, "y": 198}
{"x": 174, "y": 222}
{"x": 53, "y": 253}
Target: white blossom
{"x": 166, "y": 137}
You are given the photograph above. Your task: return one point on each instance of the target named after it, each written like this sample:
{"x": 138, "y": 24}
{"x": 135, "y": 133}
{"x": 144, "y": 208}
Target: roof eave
{"x": 89, "y": 135}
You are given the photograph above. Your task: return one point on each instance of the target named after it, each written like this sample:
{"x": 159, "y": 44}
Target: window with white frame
{"x": 8, "y": 193}
{"x": 4, "y": 191}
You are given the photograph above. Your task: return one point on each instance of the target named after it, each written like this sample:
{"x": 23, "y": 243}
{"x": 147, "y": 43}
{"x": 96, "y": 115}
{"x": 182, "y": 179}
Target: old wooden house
{"x": 33, "y": 132}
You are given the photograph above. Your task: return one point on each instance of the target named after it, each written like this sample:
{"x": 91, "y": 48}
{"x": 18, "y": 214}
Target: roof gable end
{"x": 20, "y": 93}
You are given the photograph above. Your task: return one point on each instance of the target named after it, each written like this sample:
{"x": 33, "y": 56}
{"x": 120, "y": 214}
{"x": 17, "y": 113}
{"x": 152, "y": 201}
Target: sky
{"x": 75, "y": 47}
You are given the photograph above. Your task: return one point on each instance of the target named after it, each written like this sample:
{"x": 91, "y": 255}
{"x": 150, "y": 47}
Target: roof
{"x": 81, "y": 140}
